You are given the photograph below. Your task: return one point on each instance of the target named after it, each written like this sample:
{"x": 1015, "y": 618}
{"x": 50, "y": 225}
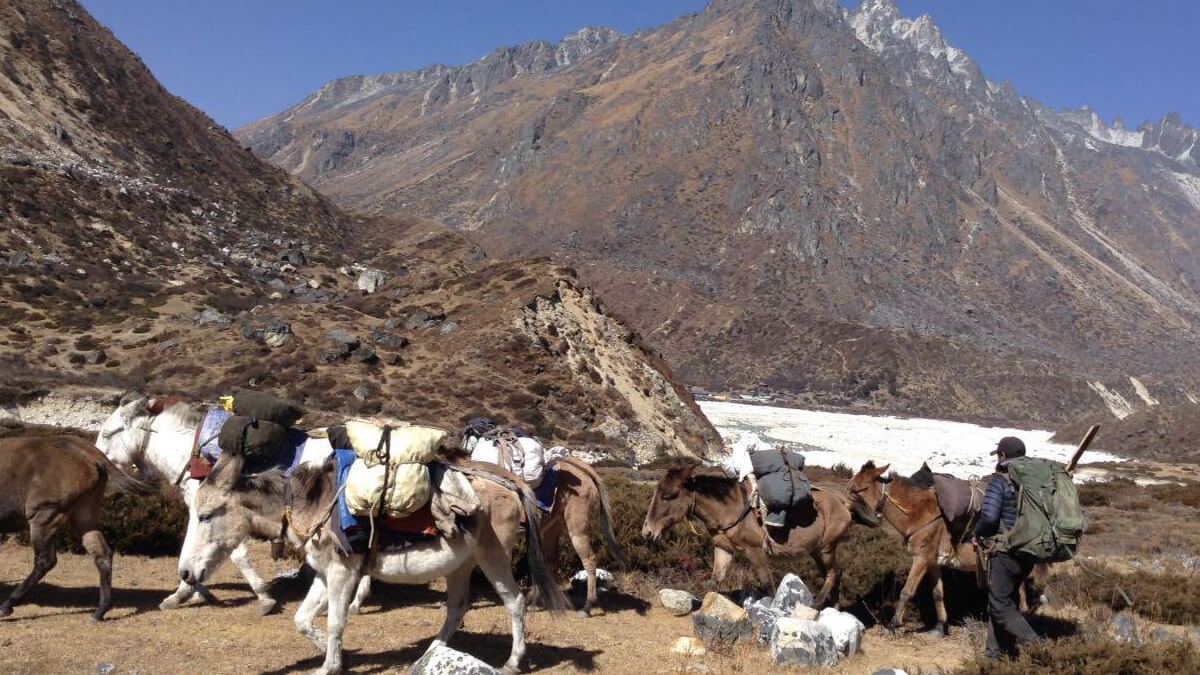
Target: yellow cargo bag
{"x": 408, "y": 485}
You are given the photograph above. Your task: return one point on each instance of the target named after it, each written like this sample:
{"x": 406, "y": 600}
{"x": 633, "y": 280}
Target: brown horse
{"x": 580, "y": 490}
{"x": 722, "y": 505}
{"x": 48, "y": 482}
{"x": 913, "y": 511}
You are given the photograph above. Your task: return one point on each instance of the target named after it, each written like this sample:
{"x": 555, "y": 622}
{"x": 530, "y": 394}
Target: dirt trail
{"x": 51, "y": 633}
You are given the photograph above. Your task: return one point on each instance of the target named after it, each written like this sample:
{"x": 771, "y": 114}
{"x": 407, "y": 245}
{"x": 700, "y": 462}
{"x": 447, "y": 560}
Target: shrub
{"x": 1168, "y": 597}
{"x": 1084, "y": 656}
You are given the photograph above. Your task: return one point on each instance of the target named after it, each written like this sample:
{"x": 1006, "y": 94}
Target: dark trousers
{"x": 1007, "y": 627}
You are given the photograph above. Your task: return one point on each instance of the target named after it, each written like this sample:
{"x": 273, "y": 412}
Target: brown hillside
{"x": 141, "y": 245}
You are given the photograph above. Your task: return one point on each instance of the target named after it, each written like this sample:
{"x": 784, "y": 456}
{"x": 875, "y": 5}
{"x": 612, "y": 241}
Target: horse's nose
{"x": 646, "y": 531}
{"x": 186, "y": 576}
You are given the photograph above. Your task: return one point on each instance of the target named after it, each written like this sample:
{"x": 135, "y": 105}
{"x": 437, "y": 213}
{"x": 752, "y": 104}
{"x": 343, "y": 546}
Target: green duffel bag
{"x": 264, "y": 406}
{"x": 258, "y": 440}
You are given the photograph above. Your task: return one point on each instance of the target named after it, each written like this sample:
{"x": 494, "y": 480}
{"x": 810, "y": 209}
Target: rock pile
{"x": 787, "y": 623}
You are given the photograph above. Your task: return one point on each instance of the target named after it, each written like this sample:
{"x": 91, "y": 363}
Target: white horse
{"x": 232, "y": 507}
{"x": 156, "y": 435}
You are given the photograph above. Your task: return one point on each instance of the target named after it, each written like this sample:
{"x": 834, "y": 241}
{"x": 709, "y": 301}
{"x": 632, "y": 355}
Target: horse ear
{"x": 868, "y": 466}
{"x": 226, "y": 471}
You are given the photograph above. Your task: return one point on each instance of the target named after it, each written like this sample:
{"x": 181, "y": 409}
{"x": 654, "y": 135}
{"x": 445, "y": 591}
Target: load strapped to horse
{"x": 512, "y": 448}
{"x": 777, "y": 479}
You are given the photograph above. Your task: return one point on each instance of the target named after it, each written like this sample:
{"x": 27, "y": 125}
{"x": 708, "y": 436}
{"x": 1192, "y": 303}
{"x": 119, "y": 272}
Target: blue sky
{"x": 240, "y": 60}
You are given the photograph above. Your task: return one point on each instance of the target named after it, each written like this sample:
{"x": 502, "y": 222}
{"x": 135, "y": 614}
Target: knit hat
{"x": 1011, "y": 446}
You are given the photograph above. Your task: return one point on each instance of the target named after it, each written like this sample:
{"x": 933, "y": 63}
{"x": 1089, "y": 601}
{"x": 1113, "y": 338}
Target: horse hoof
{"x": 937, "y": 632}
{"x": 265, "y": 607}
{"x": 5, "y": 610}
{"x": 355, "y": 609}
{"x": 583, "y": 613}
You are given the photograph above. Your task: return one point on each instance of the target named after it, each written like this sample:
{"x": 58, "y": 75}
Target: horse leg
{"x": 721, "y": 561}
{"x": 241, "y": 559}
{"x": 576, "y": 519}
{"x": 920, "y": 567}
{"x": 315, "y": 602}
{"x": 86, "y": 522}
{"x": 939, "y": 602}
{"x": 551, "y": 536}
{"x": 762, "y": 567}
{"x": 826, "y": 561}
{"x": 42, "y": 527}
{"x": 497, "y": 567}
{"x": 341, "y": 578}
{"x": 361, "y": 595}
{"x": 458, "y": 595}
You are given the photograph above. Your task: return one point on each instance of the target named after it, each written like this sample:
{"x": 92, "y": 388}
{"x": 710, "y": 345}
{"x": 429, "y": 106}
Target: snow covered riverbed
{"x": 828, "y": 438}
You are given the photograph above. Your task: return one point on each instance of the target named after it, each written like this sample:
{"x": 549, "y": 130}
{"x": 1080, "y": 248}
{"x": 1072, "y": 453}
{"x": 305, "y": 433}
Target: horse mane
{"x": 310, "y": 479}
{"x": 923, "y": 477}
{"x": 272, "y": 482}
{"x": 712, "y": 481}
{"x": 184, "y": 414}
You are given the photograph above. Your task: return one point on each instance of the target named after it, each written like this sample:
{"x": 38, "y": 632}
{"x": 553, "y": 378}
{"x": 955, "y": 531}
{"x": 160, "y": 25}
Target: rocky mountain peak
{"x": 835, "y": 206}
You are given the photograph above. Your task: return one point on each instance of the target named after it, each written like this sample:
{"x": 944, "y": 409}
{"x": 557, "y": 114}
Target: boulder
{"x": 805, "y": 612}
{"x": 796, "y": 642}
{"x": 1123, "y": 629}
{"x": 269, "y": 331}
{"x": 371, "y": 280}
{"x": 847, "y": 630}
{"x": 389, "y": 340}
{"x": 362, "y": 392}
{"x": 343, "y": 336}
{"x": 1163, "y": 635}
{"x": 890, "y": 671}
{"x": 792, "y": 592}
{"x": 446, "y": 661}
{"x": 720, "y": 619}
{"x": 763, "y": 617}
{"x": 211, "y": 315}
{"x": 448, "y": 328}
{"x": 689, "y": 646}
{"x": 676, "y": 602}
{"x": 95, "y": 357}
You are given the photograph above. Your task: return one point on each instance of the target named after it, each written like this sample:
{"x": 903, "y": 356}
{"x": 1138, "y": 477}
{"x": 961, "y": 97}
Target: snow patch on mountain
{"x": 1189, "y": 185}
{"x": 879, "y": 25}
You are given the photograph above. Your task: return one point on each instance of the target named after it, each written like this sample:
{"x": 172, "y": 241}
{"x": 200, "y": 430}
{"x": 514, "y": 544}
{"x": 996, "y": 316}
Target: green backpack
{"x": 1049, "y": 518}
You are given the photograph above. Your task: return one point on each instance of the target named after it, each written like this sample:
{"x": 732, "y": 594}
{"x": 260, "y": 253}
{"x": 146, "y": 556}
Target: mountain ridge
{"x": 781, "y": 205}
{"x": 142, "y": 246}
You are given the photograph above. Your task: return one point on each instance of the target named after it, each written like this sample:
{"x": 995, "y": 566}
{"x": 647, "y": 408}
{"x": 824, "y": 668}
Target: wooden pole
{"x": 1083, "y": 445}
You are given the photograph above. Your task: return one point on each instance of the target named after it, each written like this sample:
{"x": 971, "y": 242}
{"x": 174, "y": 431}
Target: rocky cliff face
{"x": 836, "y": 206}
{"x": 142, "y": 245}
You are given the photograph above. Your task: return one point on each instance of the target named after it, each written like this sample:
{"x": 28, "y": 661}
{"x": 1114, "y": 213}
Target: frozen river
{"x": 829, "y": 438}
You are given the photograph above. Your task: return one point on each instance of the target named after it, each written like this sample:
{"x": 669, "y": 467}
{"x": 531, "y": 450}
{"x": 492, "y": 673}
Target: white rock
{"x": 797, "y": 642}
{"x": 847, "y": 630}
{"x": 446, "y": 661}
{"x": 676, "y": 602}
{"x": 805, "y": 612}
{"x": 689, "y": 646}
{"x": 792, "y": 592}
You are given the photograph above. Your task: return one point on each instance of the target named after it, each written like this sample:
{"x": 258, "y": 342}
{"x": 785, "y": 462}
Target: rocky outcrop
{"x": 654, "y": 414}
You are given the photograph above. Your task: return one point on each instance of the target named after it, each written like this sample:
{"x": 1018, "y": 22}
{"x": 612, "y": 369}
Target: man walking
{"x": 1007, "y": 571}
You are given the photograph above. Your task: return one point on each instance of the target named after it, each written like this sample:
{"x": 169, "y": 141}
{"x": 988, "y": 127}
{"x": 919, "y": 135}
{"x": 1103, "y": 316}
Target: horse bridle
{"x": 884, "y": 500}
{"x": 691, "y": 513}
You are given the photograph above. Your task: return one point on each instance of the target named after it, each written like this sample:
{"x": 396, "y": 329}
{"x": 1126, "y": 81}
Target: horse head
{"x": 866, "y": 492}
{"x": 229, "y": 508}
{"x": 670, "y": 502}
{"x": 124, "y": 432}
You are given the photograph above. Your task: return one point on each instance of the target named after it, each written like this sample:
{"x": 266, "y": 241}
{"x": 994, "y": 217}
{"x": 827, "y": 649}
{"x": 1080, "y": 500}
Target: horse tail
{"x": 556, "y": 601}
{"x": 606, "y": 529}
